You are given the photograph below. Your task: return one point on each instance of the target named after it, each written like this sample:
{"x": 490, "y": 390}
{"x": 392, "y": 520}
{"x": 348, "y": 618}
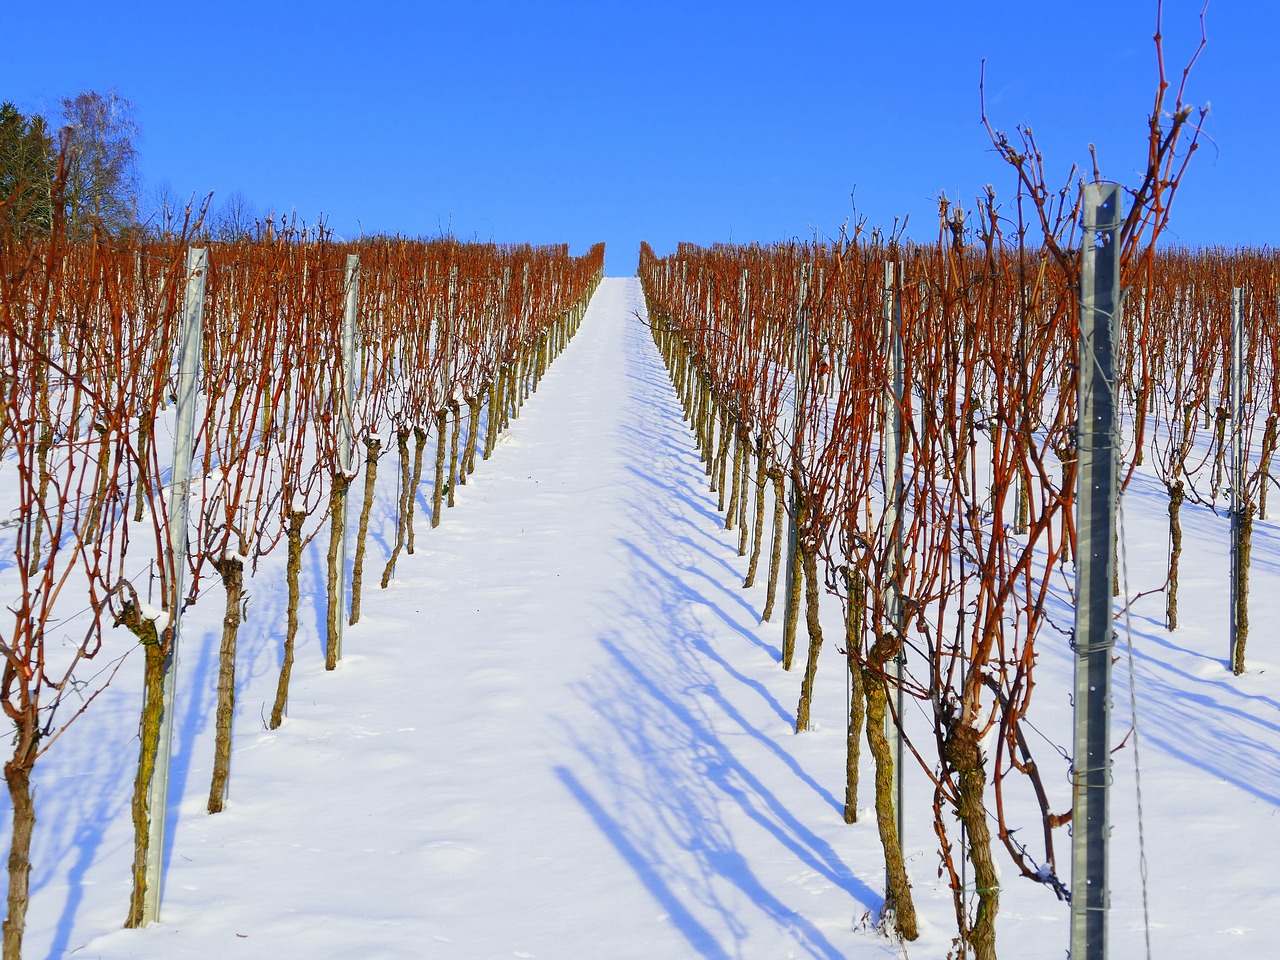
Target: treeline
{"x": 84, "y": 169}
{"x": 82, "y": 164}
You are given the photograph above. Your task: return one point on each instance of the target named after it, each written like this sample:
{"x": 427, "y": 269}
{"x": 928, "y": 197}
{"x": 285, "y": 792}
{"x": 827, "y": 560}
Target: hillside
{"x": 563, "y": 732}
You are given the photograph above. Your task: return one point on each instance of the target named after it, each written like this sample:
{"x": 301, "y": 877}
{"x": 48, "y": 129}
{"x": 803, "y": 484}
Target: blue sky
{"x": 571, "y": 121}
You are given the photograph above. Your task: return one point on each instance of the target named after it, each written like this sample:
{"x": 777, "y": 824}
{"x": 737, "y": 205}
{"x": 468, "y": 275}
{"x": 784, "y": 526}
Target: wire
{"x": 1133, "y": 706}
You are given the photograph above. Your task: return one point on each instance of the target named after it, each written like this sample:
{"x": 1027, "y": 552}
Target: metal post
{"x": 190, "y": 336}
{"x": 744, "y": 356}
{"x": 446, "y": 337}
{"x": 1236, "y": 480}
{"x": 346, "y": 427}
{"x": 893, "y": 512}
{"x": 800, "y": 383}
{"x": 1096, "y": 487}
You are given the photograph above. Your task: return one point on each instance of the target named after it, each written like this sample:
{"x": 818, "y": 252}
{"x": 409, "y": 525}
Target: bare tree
{"x": 102, "y": 177}
{"x": 235, "y": 219}
{"x": 170, "y": 215}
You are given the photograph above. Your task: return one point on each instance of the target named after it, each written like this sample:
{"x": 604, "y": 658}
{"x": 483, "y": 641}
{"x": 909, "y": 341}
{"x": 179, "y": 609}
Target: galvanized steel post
{"x": 190, "y": 336}
{"x": 1237, "y": 480}
{"x": 893, "y": 503}
{"x": 1096, "y": 491}
{"x": 346, "y": 427}
{"x": 800, "y": 381}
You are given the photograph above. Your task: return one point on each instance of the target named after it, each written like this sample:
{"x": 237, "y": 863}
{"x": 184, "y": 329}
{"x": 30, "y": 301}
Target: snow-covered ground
{"x": 563, "y": 732}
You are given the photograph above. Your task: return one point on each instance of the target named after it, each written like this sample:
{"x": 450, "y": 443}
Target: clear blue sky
{"x": 573, "y": 121}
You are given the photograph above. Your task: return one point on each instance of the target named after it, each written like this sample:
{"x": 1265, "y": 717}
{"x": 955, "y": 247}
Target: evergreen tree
{"x": 28, "y": 164}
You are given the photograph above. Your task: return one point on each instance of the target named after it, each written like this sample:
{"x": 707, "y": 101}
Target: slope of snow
{"x": 562, "y": 732}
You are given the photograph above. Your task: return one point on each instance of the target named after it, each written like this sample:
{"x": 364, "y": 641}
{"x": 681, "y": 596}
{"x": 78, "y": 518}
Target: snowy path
{"x": 560, "y": 734}
{"x": 563, "y": 734}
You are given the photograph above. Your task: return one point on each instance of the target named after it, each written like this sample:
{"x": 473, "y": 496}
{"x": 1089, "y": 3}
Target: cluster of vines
{"x": 950, "y": 556}
{"x": 451, "y": 339}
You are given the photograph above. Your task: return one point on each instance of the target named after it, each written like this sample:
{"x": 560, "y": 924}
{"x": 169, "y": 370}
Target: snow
{"x": 148, "y": 612}
{"x": 562, "y": 732}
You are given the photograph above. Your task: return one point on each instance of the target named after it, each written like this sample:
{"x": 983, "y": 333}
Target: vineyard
{"x": 253, "y": 369}
{"x": 897, "y": 580}
{"x": 914, "y": 413}
{"x": 884, "y": 435}
{"x": 767, "y": 609}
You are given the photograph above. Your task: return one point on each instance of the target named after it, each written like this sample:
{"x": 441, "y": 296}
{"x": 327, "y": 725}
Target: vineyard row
{"x": 912, "y": 409}
{"x": 285, "y": 415}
